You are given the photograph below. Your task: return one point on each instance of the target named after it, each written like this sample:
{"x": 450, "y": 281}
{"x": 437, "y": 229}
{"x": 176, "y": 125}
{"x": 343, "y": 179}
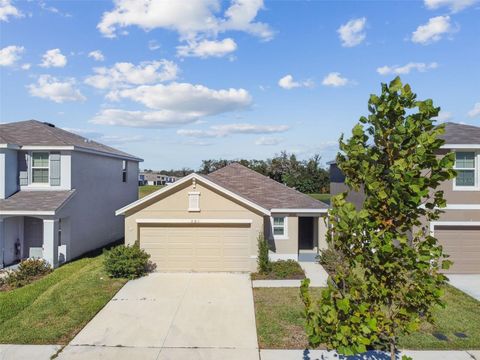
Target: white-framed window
{"x": 466, "y": 166}
{"x": 40, "y": 167}
{"x": 124, "y": 170}
{"x": 279, "y": 227}
{"x": 194, "y": 201}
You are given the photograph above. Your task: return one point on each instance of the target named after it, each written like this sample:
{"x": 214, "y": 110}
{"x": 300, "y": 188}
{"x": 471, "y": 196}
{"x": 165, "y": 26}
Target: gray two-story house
{"x": 59, "y": 192}
{"x": 458, "y": 229}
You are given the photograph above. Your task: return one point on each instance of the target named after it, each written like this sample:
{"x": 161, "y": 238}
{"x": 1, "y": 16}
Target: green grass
{"x": 147, "y": 189}
{"x": 322, "y": 197}
{"x": 280, "y": 321}
{"x": 281, "y": 269}
{"x": 55, "y": 308}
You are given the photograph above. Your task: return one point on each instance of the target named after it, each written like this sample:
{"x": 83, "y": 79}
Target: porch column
{"x": 50, "y": 241}
{"x": 2, "y": 243}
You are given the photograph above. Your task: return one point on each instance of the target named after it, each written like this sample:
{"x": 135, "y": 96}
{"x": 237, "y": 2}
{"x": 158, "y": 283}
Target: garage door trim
{"x": 451, "y": 223}
{"x": 194, "y": 221}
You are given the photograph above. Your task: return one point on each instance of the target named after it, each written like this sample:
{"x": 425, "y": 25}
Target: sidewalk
{"x": 27, "y": 352}
{"x": 313, "y": 270}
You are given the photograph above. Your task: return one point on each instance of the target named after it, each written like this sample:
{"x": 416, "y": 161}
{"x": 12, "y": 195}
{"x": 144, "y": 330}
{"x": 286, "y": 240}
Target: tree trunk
{"x": 392, "y": 350}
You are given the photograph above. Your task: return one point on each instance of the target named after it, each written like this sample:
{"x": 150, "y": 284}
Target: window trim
{"x": 476, "y": 171}
{"x": 285, "y": 227}
{"x": 31, "y": 182}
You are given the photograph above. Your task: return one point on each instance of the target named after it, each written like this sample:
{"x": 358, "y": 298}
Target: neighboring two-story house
{"x": 155, "y": 178}
{"x": 59, "y": 192}
{"x": 458, "y": 229}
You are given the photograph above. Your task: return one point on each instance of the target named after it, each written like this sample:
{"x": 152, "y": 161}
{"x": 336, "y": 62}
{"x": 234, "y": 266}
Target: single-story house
{"x": 212, "y": 222}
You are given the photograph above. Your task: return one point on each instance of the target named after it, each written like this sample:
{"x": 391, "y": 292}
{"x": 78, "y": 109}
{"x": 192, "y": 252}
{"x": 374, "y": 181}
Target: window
{"x": 40, "y": 167}
{"x": 279, "y": 227}
{"x": 124, "y": 171}
{"x": 194, "y": 201}
{"x": 465, "y": 165}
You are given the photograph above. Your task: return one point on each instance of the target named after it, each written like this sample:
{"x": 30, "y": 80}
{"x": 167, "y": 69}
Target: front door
{"x": 305, "y": 233}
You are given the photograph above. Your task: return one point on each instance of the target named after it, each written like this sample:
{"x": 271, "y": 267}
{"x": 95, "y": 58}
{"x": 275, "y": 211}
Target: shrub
{"x": 264, "y": 265}
{"x": 287, "y": 269}
{"x": 333, "y": 261}
{"x": 26, "y": 272}
{"x": 129, "y": 262}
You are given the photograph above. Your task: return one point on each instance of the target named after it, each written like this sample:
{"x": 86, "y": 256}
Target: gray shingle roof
{"x": 35, "y": 201}
{"x": 461, "y": 134}
{"x": 37, "y": 133}
{"x": 262, "y": 190}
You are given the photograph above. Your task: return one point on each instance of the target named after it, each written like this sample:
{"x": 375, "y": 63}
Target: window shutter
{"x": 23, "y": 173}
{"x": 54, "y": 169}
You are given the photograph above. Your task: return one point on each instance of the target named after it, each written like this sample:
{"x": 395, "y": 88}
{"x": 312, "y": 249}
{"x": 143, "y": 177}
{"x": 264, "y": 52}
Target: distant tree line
{"x": 307, "y": 176}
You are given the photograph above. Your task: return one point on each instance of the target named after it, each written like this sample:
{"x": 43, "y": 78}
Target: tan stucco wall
{"x": 322, "y": 233}
{"x": 213, "y": 205}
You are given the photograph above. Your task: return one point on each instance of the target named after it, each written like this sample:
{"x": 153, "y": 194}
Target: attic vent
{"x": 48, "y": 124}
{"x": 194, "y": 201}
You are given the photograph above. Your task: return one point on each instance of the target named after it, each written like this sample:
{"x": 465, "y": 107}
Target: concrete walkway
{"x": 468, "y": 283}
{"x": 173, "y": 316}
{"x": 27, "y": 352}
{"x": 313, "y": 270}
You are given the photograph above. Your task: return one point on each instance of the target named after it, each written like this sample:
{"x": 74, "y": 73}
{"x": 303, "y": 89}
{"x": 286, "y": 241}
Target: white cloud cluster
{"x": 353, "y": 32}
{"x": 8, "y": 10}
{"x": 268, "y": 141}
{"x": 111, "y": 139}
{"x": 433, "y": 30}
{"x": 9, "y": 55}
{"x": 51, "y": 88}
{"x": 287, "y": 82}
{"x": 335, "y": 79}
{"x": 126, "y": 74}
{"x": 475, "y": 112}
{"x": 53, "y": 58}
{"x": 96, "y": 55}
{"x": 406, "y": 69}
{"x": 194, "y": 21}
{"x": 454, "y": 5}
{"x": 229, "y": 129}
{"x": 207, "y": 48}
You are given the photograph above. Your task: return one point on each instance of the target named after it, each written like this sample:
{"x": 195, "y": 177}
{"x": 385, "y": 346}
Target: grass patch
{"x": 147, "y": 189}
{"x": 322, "y": 197}
{"x": 55, "y": 308}
{"x": 281, "y": 270}
{"x": 280, "y": 321}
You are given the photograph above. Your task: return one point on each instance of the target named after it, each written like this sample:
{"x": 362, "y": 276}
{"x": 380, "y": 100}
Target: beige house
{"x": 212, "y": 222}
{"x": 458, "y": 229}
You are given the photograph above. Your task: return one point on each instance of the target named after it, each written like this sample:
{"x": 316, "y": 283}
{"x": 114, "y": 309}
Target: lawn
{"x": 322, "y": 197}
{"x": 55, "y": 308}
{"x": 147, "y": 189}
{"x": 280, "y": 321}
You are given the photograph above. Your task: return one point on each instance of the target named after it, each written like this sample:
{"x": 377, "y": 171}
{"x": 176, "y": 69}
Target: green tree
{"x": 391, "y": 280}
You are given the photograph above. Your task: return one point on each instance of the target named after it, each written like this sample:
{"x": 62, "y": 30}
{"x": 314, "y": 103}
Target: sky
{"x": 177, "y": 82}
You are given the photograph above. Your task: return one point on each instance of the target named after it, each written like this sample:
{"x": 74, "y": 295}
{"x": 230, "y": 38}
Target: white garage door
{"x": 197, "y": 248}
{"x": 462, "y": 243}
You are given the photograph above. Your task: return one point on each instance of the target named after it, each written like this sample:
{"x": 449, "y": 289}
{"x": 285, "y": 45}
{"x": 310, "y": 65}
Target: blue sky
{"x": 177, "y": 82}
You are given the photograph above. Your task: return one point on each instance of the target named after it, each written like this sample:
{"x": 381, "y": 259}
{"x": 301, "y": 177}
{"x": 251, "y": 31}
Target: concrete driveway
{"x": 173, "y": 316}
{"x": 468, "y": 283}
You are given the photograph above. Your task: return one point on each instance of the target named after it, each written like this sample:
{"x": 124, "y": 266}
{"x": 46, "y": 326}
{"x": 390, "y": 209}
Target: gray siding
{"x": 8, "y": 166}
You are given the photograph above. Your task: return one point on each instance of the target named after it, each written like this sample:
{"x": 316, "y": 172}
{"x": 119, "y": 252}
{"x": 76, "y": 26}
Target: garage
{"x": 462, "y": 243}
{"x": 198, "y": 247}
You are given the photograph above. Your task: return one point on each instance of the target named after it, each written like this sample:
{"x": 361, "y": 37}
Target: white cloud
{"x": 475, "y": 110}
{"x": 353, "y": 32}
{"x": 53, "y": 58}
{"x": 10, "y": 55}
{"x": 268, "y": 140}
{"x": 454, "y": 5}
{"x": 444, "y": 116}
{"x": 207, "y": 48}
{"x": 159, "y": 119}
{"x": 287, "y": 82}
{"x": 405, "y": 69}
{"x": 230, "y": 129}
{"x": 433, "y": 30}
{"x": 96, "y": 55}
{"x": 125, "y": 74}
{"x": 43, "y": 5}
{"x": 335, "y": 79}
{"x": 51, "y": 88}
{"x": 8, "y": 10}
{"x": 153, "y": 45}
{"x": 114, "y": 140}
{"x": 26, "y": 66}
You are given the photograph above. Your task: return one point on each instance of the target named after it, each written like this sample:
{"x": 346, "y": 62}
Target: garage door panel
{"x": 462, "y": 244}
{"x": 201, "y": 248}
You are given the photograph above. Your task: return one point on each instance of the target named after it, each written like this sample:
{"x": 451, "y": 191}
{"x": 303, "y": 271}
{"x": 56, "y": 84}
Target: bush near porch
{"x": 28, "y": 271}
{"x": 55, "y": 308}
{"x": 281, "y": 270}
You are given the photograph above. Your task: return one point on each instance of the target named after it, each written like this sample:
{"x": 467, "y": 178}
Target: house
{"x": 155, "y": 178}
{"x": 59, "y": 192}
{"x": 212, "y": 222}
{"x": 458, "y": 229}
